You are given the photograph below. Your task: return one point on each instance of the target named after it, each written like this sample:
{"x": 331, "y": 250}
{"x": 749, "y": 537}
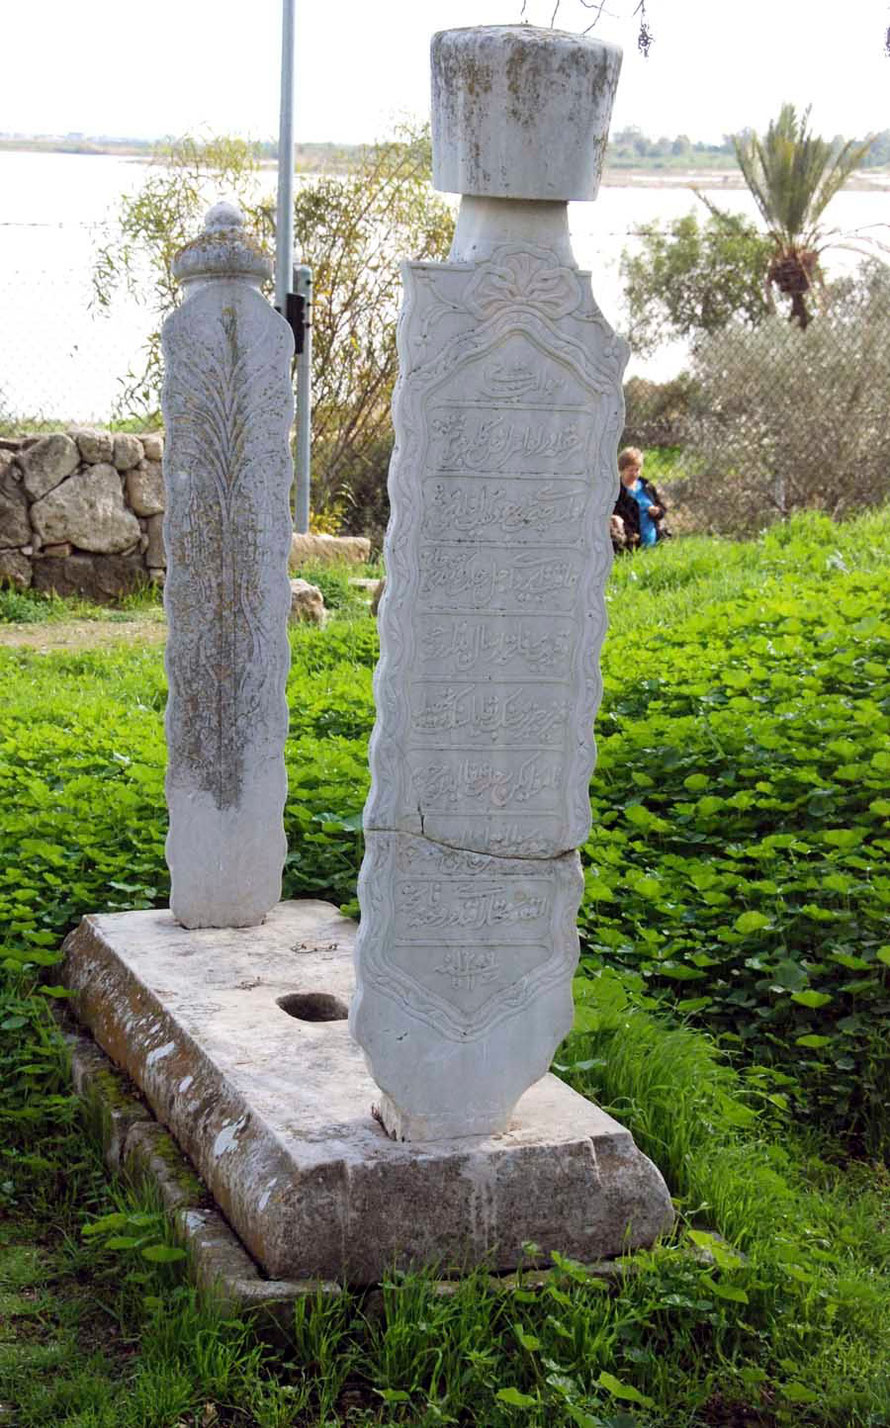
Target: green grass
{"x": 35, "y": 607}
{"x": 740, "y": 859}
{"x": 740, "y": 664}
{"x": 27, "y": 607}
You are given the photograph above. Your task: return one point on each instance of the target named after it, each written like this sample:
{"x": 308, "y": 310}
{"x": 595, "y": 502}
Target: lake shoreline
{"x": 63, "y": 357}
{"x": 651, "y": 176}
{"x": 723, "y": 179}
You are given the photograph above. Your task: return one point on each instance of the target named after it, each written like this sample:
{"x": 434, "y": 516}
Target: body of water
{"x": 62, "y": 358}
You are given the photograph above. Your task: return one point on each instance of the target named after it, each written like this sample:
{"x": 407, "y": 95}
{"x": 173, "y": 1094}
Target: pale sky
{"x": 168, "y": 66}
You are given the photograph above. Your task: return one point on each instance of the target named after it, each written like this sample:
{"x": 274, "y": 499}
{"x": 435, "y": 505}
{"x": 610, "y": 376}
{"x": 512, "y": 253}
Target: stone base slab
{"x": 238, "y": 1040}
{"x": 141, "y": 1151}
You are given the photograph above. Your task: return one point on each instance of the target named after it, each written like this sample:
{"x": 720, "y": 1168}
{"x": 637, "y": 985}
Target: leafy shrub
{"x": 658, "y": 413}
{"x": 354, "y": 231}
{"x": 352, "y": 228}
{"x": 739, "y": 855}
{"x": 23, "y": 607}
{"x": 688, "y": 279}
{"x": 365, "y": 496}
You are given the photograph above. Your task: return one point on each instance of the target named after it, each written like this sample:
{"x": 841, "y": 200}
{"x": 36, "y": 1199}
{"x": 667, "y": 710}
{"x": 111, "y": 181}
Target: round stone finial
{"x": 521, "y": 112}
{"x": 223, "y": 215}
{"x": 223, "y": 250}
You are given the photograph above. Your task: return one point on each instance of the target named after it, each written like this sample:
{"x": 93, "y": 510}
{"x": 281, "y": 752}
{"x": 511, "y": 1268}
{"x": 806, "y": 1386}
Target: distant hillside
{"x": 629, "y": 150}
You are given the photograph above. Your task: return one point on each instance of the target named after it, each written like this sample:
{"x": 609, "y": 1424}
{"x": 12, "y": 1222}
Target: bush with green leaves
{"x": 364, "y": 491}
{"x": 740, "y": 857}
{"x": 23, "y": 607}
{"x": 353, "y": 229}
{"x": 658, "y": 414}
{"x": 686, "y": 279}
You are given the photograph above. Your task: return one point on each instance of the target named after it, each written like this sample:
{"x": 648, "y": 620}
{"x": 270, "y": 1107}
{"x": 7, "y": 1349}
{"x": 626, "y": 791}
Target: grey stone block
{"x": 15, "y": 569}
{"x": 46, "y": 462}
{"x": 145, "y": 488}
{"x": 237, "y": 1040}
{"x": 88, "y": 510}
{"x": 152, "y": 445}
{"x": 15, "y": 528}
{"x": 97, "y": 577}
{"x": 93, "y": 445}
{"x": 128, "y": 451}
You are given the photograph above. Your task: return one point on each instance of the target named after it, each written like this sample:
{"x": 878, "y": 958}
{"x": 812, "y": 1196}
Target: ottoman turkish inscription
{"x": 506, "y": 407}
{"x": 507, "y": 414}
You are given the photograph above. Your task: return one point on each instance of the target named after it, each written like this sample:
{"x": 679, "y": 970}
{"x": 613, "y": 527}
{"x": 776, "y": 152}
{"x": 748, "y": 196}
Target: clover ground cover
{"x": 732, "y": 1007}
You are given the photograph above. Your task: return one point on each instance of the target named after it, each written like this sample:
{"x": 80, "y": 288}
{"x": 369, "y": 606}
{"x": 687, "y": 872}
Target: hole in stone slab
{"x": 313, "y": 1006}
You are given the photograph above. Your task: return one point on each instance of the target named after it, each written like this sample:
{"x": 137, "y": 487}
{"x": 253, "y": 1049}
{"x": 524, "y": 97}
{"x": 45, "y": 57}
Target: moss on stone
{"x": 166, "y": 1149}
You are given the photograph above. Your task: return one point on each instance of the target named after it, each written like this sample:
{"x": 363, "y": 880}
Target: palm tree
{"x": 793, "y": 176}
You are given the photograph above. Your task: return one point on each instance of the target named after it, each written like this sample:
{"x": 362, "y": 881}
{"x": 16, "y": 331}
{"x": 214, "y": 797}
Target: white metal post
{"x": 284, "y": 230}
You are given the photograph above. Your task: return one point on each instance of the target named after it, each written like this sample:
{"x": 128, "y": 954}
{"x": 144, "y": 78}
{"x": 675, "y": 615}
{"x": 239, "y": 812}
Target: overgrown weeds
{"x": 769, "y": 1306}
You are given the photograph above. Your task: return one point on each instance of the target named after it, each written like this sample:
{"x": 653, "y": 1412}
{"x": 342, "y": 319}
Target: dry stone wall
{"x": 81, "y": 512}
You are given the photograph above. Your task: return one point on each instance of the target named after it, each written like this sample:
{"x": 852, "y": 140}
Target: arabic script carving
{"x": 501, "y": 485}
{"x": 493, "y": 440}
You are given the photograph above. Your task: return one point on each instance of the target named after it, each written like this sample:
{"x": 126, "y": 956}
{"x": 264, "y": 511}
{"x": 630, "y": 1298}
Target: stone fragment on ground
{"x": 304, "y": 549}
{"x": 306, "y": 604}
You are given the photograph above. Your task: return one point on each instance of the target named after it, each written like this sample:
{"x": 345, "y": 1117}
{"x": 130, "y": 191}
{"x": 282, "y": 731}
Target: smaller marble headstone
{"x": 228, "y": 409}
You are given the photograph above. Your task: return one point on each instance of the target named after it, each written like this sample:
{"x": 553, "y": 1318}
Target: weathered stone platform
{"x": 238, "y": 1040}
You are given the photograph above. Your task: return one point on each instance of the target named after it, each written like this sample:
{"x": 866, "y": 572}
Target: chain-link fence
{"x": 773, "y": 419}
{"x": 63, "y": 359}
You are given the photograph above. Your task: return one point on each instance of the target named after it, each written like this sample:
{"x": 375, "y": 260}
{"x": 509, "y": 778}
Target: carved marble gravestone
{"x": 508, "y": 413}
{"x": 228, "y": 408}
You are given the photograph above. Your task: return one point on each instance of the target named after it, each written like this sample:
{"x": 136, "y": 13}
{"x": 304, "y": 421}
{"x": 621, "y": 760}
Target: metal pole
{"x": 284, "y": 230}
{"x": 285, "y": 273}
{"x": 302, "y": 454}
